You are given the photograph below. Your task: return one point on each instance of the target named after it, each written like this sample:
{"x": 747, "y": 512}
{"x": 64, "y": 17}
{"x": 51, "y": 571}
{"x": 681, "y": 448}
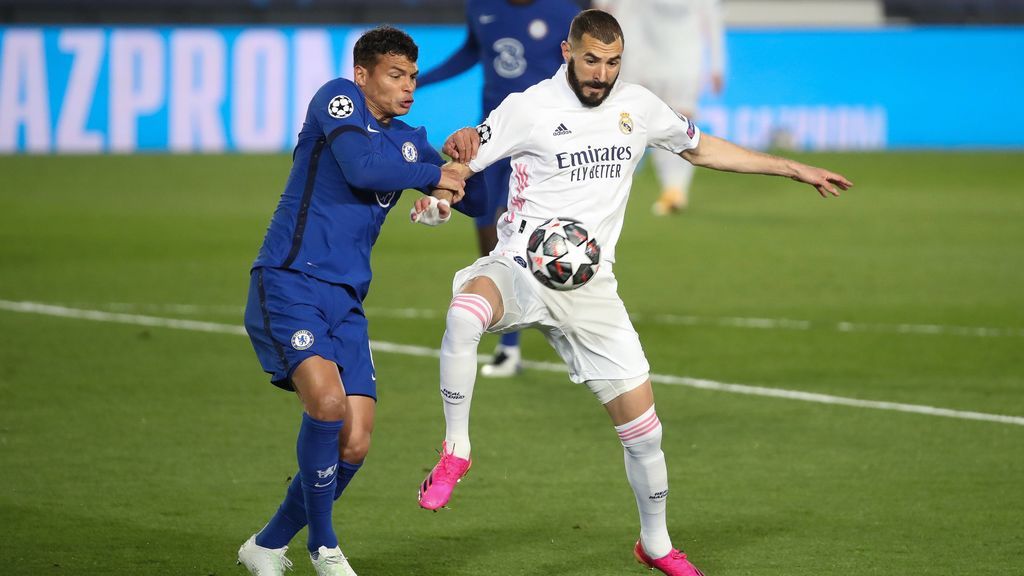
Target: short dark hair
{"x": 380, "y": 41}
{"x": 599, "y": 24}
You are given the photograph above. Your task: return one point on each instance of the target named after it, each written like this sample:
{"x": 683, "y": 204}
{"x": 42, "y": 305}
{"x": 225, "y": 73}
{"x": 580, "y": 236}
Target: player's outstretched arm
{"x": 719, "y": 154}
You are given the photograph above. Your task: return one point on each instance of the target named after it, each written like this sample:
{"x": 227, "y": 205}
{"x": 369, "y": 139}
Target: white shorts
{"x": 588, "y": 327}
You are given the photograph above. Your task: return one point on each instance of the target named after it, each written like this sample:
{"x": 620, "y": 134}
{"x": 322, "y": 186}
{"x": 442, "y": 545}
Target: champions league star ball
{"x": 562, "y": 254}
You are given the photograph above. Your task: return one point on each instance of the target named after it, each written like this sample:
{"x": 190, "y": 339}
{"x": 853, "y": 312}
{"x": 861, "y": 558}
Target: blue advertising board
{"x": 85, "y": 89}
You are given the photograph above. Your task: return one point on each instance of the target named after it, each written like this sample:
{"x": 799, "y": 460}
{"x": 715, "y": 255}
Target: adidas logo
{"x": 561, "y": 131}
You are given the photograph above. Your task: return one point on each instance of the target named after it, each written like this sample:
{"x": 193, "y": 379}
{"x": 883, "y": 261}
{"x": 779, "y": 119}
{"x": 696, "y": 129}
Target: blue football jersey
{"x": 518, "y": 45}
{"x": 348, "y": 172}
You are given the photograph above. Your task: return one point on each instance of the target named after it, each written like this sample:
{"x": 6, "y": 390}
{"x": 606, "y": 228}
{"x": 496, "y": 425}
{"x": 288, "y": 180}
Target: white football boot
{"x": 262, "y": 561}
{"x": 507, "y": 362}
{"x": 331, "y": 562}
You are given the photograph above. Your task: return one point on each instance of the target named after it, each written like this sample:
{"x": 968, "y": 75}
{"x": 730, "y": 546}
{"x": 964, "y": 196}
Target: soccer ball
{"x": 562, "y": 254}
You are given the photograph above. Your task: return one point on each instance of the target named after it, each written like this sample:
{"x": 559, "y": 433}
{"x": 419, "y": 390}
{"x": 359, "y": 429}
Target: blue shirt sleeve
{"x": 340, "y": 110}
{"x": 465, "y": 58}
{"x": 474, "y": 203}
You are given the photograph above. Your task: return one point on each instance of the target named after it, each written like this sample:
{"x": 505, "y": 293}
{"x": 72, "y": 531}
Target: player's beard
{"x": 577, "y": 87}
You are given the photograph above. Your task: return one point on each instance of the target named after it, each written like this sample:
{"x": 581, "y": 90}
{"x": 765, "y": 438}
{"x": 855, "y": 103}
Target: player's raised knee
{"x": 470, "y": 311}
{"x": 327, "y": 405}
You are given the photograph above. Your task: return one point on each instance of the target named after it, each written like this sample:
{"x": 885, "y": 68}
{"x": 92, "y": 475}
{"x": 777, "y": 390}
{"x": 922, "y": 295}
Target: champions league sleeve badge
{"x": 625, "y": 123}
{"x": 409, "y": 152}
{"x": 690, "y": 128}
{"x": 340, "y": 106}
{"x": 484, "y": 130}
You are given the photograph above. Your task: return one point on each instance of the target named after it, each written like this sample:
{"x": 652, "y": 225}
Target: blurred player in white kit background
{"x": 671, "y": 44}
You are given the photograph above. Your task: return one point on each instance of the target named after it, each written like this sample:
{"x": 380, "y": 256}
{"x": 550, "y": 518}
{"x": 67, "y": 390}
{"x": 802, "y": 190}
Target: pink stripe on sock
{"x": 642, "y": 427}
{"x": 480, "y": 303}
{"x": 471, "y": 310}
{"x": 635, "y": 433}
{"x": 474, "y": 298}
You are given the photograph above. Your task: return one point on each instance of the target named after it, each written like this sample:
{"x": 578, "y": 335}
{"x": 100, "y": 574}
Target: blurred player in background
{"x": 585, "y": 173}
{"x": 671, "y": 42}
{"x": 305, "y": 309}
{"x": 517, "y": 43}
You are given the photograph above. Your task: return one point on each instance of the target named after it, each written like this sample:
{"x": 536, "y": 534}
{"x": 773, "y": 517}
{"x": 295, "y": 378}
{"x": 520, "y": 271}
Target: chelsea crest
{"x": 409, "y": 152}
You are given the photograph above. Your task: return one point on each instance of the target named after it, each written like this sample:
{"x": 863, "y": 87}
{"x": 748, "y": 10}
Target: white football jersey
{"x": 572, "y": 161}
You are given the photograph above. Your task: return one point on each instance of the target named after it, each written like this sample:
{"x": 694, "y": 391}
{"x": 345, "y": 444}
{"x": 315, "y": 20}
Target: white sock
{"x": 648, "y": 476}
{"x": 469, "y": 315}
{"x": 672, "y": 171}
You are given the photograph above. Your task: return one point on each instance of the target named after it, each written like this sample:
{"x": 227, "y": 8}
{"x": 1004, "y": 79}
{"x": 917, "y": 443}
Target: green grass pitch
{"x": 131, "y": 449}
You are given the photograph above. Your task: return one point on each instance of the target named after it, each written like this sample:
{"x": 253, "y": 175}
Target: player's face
{"x": 388, "y": 86}
{"x": 593, "y": 68}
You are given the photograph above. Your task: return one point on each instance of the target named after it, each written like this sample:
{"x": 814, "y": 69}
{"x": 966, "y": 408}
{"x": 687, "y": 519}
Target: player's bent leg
{"x": 319, "y": 385}
{"x": 640, "y": 432}
{"x": 354, "y": 444}
{"x": 477, "y": 307}
{"x": 355, "y": 439}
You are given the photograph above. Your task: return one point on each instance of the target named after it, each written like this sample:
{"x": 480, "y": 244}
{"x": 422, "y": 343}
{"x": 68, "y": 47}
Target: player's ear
{"x": 360, "y": 75}
{"x": 566, "y": 51}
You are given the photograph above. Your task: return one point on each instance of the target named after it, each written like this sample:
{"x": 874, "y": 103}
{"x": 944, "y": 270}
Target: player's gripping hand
{"x": 824, "y": 181}
{"x": 453, "y": 179}
{"x": 462, "y": 145}
{"x": 431, "y": 211}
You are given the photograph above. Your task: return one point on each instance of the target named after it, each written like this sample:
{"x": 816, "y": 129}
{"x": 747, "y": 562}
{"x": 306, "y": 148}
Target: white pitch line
{"x": 668, "y": 319}
{"x": 423, "y": 351}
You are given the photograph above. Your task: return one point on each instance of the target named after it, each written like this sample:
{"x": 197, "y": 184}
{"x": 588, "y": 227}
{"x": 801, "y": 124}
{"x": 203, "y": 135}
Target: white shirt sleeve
{"x": 668, "y": 129}
{"x": 504, "y": 133}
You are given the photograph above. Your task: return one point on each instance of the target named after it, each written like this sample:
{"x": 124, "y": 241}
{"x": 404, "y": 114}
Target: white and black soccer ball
{"x": 562, "y": 254}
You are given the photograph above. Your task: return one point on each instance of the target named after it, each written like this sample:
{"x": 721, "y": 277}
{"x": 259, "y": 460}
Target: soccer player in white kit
{"x": 575, "y": 140}
{"x": 673, "y": 43}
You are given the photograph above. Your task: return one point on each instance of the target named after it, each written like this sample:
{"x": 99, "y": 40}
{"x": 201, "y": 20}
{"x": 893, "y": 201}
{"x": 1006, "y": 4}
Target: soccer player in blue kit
{"x": 518, "y": 43}
{"x": 304, "y": 313}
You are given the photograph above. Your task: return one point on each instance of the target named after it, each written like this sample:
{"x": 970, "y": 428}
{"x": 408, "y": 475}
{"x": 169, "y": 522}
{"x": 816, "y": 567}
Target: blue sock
{"x": 287, "y": 521}
{"x": 317, "y": 450}
{"x": 345, "y": 476}
{"x": 291, "y": 515}
{"x": 510, "y": 339}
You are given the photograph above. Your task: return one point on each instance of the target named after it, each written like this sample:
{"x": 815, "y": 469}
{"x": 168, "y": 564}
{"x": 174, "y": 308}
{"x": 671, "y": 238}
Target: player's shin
{"x": 468, "y": 317}
{"x": 648, "y": 476}
{"x": 317, "y": 450}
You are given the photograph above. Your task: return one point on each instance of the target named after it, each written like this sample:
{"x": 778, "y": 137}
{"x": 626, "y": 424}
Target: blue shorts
{"x": 291, "y": 316}
{"x": 496, "y": 179}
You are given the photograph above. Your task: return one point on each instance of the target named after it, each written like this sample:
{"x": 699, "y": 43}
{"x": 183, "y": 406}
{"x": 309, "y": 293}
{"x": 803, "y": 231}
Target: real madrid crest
{"x": 409, "y": 152}
{"x": 625, "y": 123}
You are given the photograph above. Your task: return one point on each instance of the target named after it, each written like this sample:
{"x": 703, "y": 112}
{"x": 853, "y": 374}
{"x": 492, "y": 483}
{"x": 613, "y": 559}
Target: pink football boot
{"x": 672, "y": 564}
{"x": 438, "y": 485}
